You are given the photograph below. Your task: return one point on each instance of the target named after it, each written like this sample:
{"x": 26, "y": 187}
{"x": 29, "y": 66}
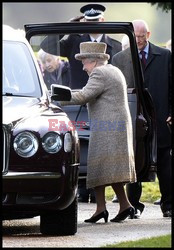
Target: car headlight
{"x": 52, "y": 142}
{"x": 67, "y": 142}
{"x": 25, "y": 144}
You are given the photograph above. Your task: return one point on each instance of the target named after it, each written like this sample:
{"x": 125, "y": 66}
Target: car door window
{"x": 19, "y": 73}
{"x": 64, "y": 47}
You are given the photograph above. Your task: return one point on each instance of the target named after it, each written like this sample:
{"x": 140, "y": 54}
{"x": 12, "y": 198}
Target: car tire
{"x": 62, "y": 222}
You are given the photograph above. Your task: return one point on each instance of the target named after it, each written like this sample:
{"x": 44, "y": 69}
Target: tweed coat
{"x": 70, "y": 46}
{"x": 110, "y": 153}
{"x": 157, "y": 79}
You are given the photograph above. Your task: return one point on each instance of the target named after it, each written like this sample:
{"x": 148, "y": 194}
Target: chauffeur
{"x": 70, "y": 46}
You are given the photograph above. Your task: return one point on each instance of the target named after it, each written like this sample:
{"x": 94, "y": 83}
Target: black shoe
{"x": 140, "y": 207}
{"x": 167, "y": 213}
{"x": 157, "y": 202}
{"x": 136, "y": 215}
{"x": 115, "y": 199}
{"x": 99, "y": 216}
{"x": 123, "y": 215}
{"x": 138, "y": 210}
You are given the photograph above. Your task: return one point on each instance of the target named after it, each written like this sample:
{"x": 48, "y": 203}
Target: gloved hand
{"x": 77, "y": 19}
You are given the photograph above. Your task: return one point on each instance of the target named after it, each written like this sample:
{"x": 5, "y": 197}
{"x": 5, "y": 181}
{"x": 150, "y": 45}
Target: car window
{"x": 64, "y": 47}
{"x": 19, "y": 72}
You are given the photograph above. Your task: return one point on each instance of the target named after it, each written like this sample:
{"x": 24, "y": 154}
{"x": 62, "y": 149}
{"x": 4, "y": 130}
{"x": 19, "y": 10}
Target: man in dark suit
{"x": 68, "y": 47}
{"x": 157, "y": 78}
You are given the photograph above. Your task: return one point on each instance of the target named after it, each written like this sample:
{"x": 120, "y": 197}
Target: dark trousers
{"x": 164, "y": 164}
{"x": 164, "y": 168}
{"x": 134, "y": 191}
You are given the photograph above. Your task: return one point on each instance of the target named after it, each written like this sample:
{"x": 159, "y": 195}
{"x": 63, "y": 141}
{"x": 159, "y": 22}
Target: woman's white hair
{"x": 42, "y": 54}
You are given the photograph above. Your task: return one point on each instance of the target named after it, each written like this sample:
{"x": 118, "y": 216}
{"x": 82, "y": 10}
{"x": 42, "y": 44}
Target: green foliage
{"x": 165, "y": 6}
{"x": 109, "y": 193}
{"x": 150, "y": 192}
{"x": 156, "y": 242}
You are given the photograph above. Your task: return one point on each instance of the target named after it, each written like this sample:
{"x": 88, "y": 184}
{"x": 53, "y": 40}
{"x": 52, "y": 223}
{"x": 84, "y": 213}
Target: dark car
{"x": 57, "y": 38}
{"x": 40, "y": 145}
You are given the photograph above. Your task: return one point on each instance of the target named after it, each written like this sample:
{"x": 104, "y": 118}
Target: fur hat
{"x": 92, "y": 50}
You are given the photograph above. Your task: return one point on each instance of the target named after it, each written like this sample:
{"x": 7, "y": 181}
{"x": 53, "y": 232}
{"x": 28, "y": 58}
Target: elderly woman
{"x": 110, "y": 156}
{"x": 55, "y": 70}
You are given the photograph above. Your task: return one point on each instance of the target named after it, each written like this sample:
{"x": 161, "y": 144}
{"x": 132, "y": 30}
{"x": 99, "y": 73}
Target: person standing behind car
{"x": 167, "y": 46}
{"x": 157, "y": 79}
{"x": 68, "y": 47}
{"x": 55, "y": 70}
{"x": 110, "y": 152}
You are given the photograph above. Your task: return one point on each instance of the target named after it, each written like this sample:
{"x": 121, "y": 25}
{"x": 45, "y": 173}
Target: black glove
{"x": 76, "y": 19}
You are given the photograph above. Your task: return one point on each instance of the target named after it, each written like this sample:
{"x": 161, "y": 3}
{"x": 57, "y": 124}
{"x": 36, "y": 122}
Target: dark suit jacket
{"x": 157, "y": 78}
{"x": 119, "y": 60}
{"x": 69, "y": 47}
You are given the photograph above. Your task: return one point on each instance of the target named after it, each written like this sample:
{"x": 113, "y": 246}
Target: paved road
{"x": 25, "y": 233}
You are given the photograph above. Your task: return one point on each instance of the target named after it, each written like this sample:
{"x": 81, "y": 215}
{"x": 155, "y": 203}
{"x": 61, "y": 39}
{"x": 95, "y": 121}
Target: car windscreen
{"x": 19, "y": 72}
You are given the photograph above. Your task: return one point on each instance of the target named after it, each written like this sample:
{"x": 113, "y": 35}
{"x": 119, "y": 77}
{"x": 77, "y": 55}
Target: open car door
{"x": 54, "y": 37}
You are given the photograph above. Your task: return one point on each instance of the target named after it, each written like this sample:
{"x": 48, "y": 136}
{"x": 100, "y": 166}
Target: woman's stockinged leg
{"x": 122, "y": 196}
{"x": 100, "y": 199}
{"x": 126, "y": 209}
{"x": 101, "y": 212}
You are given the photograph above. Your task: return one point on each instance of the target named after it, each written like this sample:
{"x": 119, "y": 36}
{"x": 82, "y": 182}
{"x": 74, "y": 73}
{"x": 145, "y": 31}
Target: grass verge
{"x": 156, "y": 242}
{"x": 150, "y": 192}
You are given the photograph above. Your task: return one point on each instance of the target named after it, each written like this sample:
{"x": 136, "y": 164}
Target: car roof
{"x": 12, "y": 34}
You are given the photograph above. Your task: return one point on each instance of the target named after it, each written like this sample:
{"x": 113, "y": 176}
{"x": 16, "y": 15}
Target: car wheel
{"x": 62, "y": 222}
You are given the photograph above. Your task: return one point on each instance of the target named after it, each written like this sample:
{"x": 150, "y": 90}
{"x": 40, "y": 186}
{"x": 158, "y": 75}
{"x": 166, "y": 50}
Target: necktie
{"x": 95, "y": 41}
{"x": 143, "y": 59}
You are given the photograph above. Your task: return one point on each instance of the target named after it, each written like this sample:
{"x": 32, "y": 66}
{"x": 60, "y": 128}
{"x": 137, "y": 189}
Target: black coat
{"x": 59, "y": 76}
{"x": 157, "y": 78}
{"x": 69, "y": 47}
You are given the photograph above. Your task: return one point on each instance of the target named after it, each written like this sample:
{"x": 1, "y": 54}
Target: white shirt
{"x": 98, "y": 39}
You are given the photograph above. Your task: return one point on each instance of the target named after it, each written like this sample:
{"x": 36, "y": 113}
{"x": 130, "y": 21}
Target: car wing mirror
{"x": 60, "y": 93}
